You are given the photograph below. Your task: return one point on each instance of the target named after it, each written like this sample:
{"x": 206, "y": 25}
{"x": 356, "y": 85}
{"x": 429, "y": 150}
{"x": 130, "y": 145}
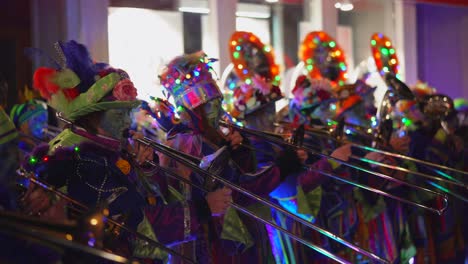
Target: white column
{"x": 47, "y": 27}
{"x": 278, "y": 36}
{"x": 87, "y": 24}
{"x": 406, "y": 39}
{"x": 323, "y": 16}
{"x": 82, "y": 20}
{"x": 222, "y": 23}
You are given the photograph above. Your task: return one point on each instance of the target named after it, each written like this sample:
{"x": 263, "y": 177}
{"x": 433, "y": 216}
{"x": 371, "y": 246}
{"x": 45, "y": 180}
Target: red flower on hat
{"x": 125, "y": 91}
{"x": 42, "y": 81}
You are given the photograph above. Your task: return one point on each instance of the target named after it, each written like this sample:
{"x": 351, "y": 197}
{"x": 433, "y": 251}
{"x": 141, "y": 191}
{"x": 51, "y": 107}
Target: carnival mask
{"x": 115, "y": 122}
{"x": 213, "y": 112}
{"x": 37, "y": 125}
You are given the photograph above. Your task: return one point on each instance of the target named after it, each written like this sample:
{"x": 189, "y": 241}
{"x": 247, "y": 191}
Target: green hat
{"x": 78, "y": 86}
{"x": 21, "y": 113}
{"x": 8, "y": 130}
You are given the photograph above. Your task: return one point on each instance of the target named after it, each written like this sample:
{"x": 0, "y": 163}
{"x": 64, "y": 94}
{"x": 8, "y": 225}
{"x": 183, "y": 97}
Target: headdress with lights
{"x": 323, "y": 58}
{"x": 254, "y": 81}
{"x": 189, "y": 80}
{"x": 384, "y": 55}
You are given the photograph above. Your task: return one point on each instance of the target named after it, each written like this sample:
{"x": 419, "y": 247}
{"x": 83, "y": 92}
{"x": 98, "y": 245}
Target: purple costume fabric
{"x": 91, "y": 175}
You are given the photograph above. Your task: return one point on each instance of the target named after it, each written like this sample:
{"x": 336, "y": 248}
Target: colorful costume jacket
{"x": 92, "y": 170}
{"x": 235, "y": 237}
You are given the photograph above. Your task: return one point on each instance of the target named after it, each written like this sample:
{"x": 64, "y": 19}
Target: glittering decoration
{"x": 189, "y": 80}
{"x": 255, "y": 77}
{"x": 163, "y": 113}
{"x": 406, "y": 113}
{"x": 311, "y": 101}
{"x": 323, "y": 58}
{"x": 124, "y": 166}
{"x": 33, "y": 160}
{"x": 422, "y": 89}
{"x": 384, "y": 55}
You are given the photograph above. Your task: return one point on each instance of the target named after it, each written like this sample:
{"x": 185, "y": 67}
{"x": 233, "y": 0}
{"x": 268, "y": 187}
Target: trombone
{"x": 191, "y": 162}
{"x": 25, "y": 227}
{"x": 181, "y": 157}
{"x": 278, "y": 141}
{"x": 83, "y": 208}
{"x": 450, "y": 180}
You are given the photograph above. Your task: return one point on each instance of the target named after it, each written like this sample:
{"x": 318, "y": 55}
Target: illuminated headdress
{"x": 323, "y": 58}
{"x": 256, "y": 76}
{"x": 189, "y": 80}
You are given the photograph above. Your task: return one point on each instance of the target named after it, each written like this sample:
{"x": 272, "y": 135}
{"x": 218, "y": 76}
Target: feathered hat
{"x": 77, "y": 86}
{"x": 189, "y": 80}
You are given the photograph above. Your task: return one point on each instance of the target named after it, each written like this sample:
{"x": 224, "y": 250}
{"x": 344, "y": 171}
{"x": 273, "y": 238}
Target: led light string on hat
{"x": 381, "y": 47}
{"x": 308, "y": 53}
{"x": 240, "y": 64}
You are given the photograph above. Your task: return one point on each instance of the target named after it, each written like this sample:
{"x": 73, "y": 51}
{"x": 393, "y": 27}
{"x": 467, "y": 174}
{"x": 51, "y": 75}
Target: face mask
{"x": 213, "y": 112}
{"x": 37, "y": 124}
{"x": 114, "y": 122}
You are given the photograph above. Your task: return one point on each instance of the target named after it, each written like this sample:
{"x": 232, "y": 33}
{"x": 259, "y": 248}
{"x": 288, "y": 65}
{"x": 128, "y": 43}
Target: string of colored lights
{"x": 384, "y": 55}
{"x": 238, "y": 41}
{"x": 308, "y": 54}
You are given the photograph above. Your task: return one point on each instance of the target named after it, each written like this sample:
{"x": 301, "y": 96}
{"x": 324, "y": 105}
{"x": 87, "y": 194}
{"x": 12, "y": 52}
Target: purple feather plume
{"x": 79, "y": 60}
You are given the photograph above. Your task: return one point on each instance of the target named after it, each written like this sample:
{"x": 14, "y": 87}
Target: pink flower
{"x": 125, "y": 91}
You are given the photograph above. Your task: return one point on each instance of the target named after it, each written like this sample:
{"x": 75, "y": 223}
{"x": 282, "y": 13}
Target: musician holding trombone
{"x": 93, "y": 163}
{"x": 188, "y": 79}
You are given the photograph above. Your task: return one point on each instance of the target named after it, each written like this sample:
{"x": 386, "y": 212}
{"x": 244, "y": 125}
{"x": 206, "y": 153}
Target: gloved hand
{"x": 288, "y": 162}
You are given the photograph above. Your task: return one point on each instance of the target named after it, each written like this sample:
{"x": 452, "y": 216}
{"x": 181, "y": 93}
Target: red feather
{"x": 71, "y": 94}
{"x": 42, "y": 82}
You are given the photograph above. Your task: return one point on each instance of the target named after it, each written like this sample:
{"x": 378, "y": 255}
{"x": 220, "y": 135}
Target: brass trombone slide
{"x": 178, "y": 156}
{"x": 388, "y": 153}
{"x": 190, "y": 161}
{"x": 447, "y": 179}
{"x": 378, "y": 174}
{"x": 243, "y": 210}
{"x": 430, "y": 178}
{"x": 19, "y": 226}
{"x": 83, "y": 207}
